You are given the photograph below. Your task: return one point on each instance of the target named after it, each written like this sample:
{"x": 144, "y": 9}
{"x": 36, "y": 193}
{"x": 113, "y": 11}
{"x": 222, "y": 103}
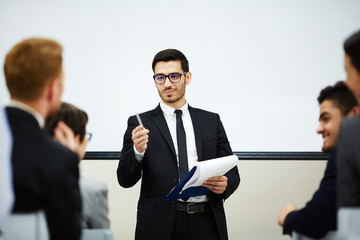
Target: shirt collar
{"x": 169, "y": 111}
{"x": 28, "y": 109}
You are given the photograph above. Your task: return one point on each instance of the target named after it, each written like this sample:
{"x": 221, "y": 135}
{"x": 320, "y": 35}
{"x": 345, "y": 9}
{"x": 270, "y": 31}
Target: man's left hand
{"x": 284, "y": 212}
{"x": 216, "y": 184}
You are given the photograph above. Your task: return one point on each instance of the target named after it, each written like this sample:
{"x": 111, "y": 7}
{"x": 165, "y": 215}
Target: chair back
{"x": 332, "y": 235}
{"x": 29, "y": 226}
{"x": 96, "y": 234}
{"x": 349, "y": 222}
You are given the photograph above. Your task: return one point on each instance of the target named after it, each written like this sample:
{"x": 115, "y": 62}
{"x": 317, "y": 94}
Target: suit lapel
{"x": 160, "y": 122}
{"x": 195, "y": 118}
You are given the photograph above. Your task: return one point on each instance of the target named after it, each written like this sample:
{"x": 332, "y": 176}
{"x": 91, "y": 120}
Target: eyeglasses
{"x": 88, "y": 136}
{"x": 173, "y": 77}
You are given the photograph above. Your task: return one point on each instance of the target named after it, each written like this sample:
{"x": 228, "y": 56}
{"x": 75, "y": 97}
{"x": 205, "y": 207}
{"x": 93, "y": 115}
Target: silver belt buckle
{"x": 188, "y": 208}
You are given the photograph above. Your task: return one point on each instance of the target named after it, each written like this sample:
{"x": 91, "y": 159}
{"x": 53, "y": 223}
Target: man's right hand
{"x": 140, "y": 138}
{"x": 65, "y": 135}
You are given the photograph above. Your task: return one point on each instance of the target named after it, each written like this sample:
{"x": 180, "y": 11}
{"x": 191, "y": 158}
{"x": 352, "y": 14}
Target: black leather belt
{"x": 192, "y": 207}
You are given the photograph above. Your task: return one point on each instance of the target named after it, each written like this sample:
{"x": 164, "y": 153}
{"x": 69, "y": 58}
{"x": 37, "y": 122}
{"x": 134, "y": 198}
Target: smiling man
{"x": 318, "y": 217}
{"x": 172, "y": 140}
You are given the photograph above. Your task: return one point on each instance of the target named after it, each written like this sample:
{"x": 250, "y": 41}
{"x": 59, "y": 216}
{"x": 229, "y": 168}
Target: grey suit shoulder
{"x": 348, "y": 162}
{"x": 95, "y": 203}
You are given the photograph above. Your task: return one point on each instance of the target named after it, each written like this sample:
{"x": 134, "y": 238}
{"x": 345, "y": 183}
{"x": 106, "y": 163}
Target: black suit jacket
{"x": 45, "y": 176}
{"x": 159, "y": 172}
{"x": 349, "y": 163}
{"x": 318, "y": 217}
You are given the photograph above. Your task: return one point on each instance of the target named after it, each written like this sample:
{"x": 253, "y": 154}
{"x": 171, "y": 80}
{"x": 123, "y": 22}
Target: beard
{"x": 327, "y": 149}
{"x": 180, "y": 92}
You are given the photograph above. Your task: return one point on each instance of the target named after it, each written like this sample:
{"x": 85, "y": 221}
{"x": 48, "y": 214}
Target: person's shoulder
{"x": 352, "y": 121}
{"x": 58, "y": 153}
{"x": 194, "y": 109}
{"x": 351, "y": 124}
{"x": 55, "y": 146}
{"x": 92, "y": 186}
{"x": 94, "y": 183}
{"x": 203, "y": 112}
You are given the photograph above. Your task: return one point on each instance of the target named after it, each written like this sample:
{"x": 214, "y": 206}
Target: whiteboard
{"x": 259, "y": 64}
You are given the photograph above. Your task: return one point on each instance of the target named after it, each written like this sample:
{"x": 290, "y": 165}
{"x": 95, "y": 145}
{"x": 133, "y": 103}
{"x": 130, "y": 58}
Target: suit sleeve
{"x": 63, "y": 200}
{"x": 129, "y": 170}
{"x": 224, "y": 149}
{"x": 318, "y": 217}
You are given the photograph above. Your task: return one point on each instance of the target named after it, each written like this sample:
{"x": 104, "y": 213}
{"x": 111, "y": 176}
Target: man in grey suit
{"x": 93, "y": 192}
{"x": 349, "y": 138}
{"x": 95, "y": 204}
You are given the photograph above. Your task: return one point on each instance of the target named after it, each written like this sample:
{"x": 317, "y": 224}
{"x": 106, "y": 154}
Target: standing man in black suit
{"x": 45, "y": 173}
{"x": 318, "y": 217}
{"x": 163, "y": 149}
{"x": 349, "y": 137}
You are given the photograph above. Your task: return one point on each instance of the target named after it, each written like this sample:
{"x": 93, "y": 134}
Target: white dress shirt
{"x": 170, "y": 117}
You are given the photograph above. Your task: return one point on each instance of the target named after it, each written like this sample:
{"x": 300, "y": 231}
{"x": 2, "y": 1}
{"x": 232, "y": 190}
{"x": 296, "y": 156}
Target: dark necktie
{"x": 181, "y": 141}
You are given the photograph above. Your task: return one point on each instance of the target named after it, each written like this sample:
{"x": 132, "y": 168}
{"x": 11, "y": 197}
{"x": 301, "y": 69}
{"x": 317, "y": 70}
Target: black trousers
{"x": 196, "y": 226}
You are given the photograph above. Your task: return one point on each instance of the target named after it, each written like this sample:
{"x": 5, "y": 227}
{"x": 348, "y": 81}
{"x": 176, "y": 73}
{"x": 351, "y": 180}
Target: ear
{"x": 355, "y": 111}
{"x": 52, "y": 90}
{"x": 188, "y": 78}
{"x": 78, "y": 138}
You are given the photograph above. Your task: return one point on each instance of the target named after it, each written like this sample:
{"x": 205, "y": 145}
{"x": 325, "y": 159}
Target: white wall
{"x": 259, "y": 63}
{"x": 251, "y": 211}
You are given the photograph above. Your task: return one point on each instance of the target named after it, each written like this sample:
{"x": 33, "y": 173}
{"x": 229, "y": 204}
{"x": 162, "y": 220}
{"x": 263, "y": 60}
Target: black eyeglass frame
{"x": 88, "y": 136}
{"x": 168, "y": 76}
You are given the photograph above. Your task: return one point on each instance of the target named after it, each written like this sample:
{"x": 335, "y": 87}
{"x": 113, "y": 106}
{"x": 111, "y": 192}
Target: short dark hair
{"x": 341, "y": 97}
{"x": 74, "y": 117}
{"x": 352, "y": 49}
{"x": 171, "y": 55}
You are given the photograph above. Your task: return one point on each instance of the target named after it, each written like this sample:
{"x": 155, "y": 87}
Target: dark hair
{"x": 171, "y": 55}
{"x": 352, "y": 49}
{"x": 74, "y": 117}
{"x": 341, "y": 97}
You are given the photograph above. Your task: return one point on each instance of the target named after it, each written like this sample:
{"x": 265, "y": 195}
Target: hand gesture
{"x": 140, "y": 137}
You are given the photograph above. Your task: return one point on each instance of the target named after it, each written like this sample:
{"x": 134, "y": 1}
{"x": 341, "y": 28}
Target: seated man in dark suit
{"x": 93, "y": 192}
{"x": 349, "y": 137}
{"x": 45, "y": 173}
{"x": 318, "y": 217}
